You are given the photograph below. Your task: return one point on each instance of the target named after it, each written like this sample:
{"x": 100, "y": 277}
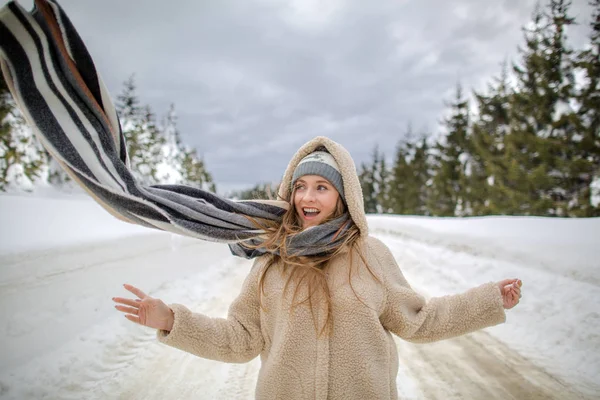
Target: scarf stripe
{"x": 54, "y": 82}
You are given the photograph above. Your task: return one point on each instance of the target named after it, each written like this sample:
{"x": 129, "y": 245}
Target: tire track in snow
{"x": 477, "y": 366}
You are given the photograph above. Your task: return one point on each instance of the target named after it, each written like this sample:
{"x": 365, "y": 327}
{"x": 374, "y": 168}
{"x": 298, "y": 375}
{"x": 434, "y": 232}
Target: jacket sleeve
{"x": 234, "y": 339}
{"x": 408, "y": 315}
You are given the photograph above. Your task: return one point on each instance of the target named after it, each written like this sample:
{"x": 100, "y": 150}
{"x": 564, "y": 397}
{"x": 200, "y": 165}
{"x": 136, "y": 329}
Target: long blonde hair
{"x": 307, "y": 270}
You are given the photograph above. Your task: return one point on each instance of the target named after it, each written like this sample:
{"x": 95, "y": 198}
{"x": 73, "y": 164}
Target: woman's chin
{"x": 309, "y": 224}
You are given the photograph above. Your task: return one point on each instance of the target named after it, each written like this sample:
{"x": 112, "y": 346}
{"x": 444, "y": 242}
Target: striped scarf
{"x": 57, "y": 88}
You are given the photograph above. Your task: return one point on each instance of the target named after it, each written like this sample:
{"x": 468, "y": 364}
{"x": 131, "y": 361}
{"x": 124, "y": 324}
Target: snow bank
{"x": 565, "y": 246}
{"x": 49, "y": 219}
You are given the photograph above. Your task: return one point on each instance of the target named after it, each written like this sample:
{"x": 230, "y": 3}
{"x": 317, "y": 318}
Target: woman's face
{"x": 314, "y": 193}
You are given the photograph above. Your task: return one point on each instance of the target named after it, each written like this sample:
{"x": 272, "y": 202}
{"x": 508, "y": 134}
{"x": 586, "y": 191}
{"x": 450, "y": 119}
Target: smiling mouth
{"x": 310, "y": 212}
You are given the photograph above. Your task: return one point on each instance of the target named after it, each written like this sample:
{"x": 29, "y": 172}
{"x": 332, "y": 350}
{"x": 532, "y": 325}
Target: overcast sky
{"x": 252, "y": 80}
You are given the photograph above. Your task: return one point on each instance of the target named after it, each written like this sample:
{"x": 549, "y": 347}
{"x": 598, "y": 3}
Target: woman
{"x": 322, "y": 324}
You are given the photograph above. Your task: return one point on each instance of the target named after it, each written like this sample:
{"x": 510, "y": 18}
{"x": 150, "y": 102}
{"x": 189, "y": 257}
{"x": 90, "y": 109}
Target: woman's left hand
{"x": 511, "y": 292}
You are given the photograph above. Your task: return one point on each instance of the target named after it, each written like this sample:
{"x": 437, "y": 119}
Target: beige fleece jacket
{"x": 359, "y": 359}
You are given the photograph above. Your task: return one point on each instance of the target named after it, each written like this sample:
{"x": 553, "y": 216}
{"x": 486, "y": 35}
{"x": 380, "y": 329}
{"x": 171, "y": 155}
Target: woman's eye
{"x": 322, "y": 187}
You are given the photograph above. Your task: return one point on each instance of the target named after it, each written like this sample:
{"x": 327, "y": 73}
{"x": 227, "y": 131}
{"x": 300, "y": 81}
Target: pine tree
{"x": 400, "y": 175}
{"x": 151, "y": 143}
{"x": 564, "y": 129}
{"x": 265, "y": 191}
{"x": 195, "y": 173}
{"x": 22, "y": 159}
{"x": 489, "y": 165}
{"x": 587, "y": 143}
{"x": 141, "y": 134}
{"x": 367, "y": 177}
{"x": 417, "y": 191}
{"x": 409, "y": 176}
{"x": 5, "y": 134}
{"x": 375, "y": 180}
{"x": 158, "y": 156}
{"x": 448, "y": 192}
{"x": 57, "y": 176}
{"x": 130, "y": 116}
{"x": 128, "y": 105}
{"x": 383, "y": 179}
{"x": 538, "y": 148}
{"x": 169, "y": 170}
{"x": 415, "y": 176}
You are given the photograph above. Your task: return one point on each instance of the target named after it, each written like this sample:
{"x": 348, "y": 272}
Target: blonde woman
{"x": 322, "y": 323}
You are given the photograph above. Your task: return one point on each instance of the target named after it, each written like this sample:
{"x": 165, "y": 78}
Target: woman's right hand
{"x": 145, "y": 310}
{"x": 511, "y": 292}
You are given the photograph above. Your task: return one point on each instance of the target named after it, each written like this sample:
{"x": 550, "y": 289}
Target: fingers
{"x": 135, "y": 291}
{"x": 133, "y": 318}
{"x": 131, "y": 307}
{"x": 511, "y": 291}
{"x": 130, "y": 310}
{"x": 515, "y": 291}
{"x": 506, "y": 282}
{"x": 129, "y": 302}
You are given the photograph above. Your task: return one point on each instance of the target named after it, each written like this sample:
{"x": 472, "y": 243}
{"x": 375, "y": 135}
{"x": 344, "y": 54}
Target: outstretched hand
{"x": 145, "y": 310}
{"x": 511, "y": 292}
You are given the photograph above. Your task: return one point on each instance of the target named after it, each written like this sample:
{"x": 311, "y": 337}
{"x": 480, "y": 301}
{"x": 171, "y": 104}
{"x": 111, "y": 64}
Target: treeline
{"x": 258, "y": 191}
{"x": 155, "y": 149}
{"x": 528, "y": 145}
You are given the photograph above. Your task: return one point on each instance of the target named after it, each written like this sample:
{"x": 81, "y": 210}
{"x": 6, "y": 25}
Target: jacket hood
{"x": 353, "y": 191}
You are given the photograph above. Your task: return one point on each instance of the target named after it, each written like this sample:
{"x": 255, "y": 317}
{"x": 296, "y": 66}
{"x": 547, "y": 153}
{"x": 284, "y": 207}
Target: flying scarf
{"x": 55, "y": 84}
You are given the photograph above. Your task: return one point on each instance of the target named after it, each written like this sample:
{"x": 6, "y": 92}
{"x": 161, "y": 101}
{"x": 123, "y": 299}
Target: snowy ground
{"x": 63, "y": 258}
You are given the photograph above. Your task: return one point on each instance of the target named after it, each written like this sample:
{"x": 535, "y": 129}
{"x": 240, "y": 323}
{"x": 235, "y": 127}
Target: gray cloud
{"x": 253, "y": 80}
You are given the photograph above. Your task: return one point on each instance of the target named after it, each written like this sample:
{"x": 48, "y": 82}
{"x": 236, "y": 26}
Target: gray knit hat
{"x": 323, "y": 164}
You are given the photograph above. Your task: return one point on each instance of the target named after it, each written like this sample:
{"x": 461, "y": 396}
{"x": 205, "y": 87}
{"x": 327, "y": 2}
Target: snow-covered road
{"x": 63, "y": 339}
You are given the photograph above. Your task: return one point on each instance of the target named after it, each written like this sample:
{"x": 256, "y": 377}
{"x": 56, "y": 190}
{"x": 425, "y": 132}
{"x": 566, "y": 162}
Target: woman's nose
{"x": 310, "y": 194}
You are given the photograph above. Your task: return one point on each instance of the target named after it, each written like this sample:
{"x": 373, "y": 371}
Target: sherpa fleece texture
{"x": 359, "y": 359}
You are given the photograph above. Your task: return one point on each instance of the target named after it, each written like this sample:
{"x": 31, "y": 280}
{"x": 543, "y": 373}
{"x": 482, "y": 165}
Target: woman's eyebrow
{"x": 319, "y": 181}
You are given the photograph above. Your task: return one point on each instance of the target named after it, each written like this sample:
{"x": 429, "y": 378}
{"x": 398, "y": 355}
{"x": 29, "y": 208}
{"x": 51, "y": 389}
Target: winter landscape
{"x": 475, "y": 130}
{"x": 63, "y": 258}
